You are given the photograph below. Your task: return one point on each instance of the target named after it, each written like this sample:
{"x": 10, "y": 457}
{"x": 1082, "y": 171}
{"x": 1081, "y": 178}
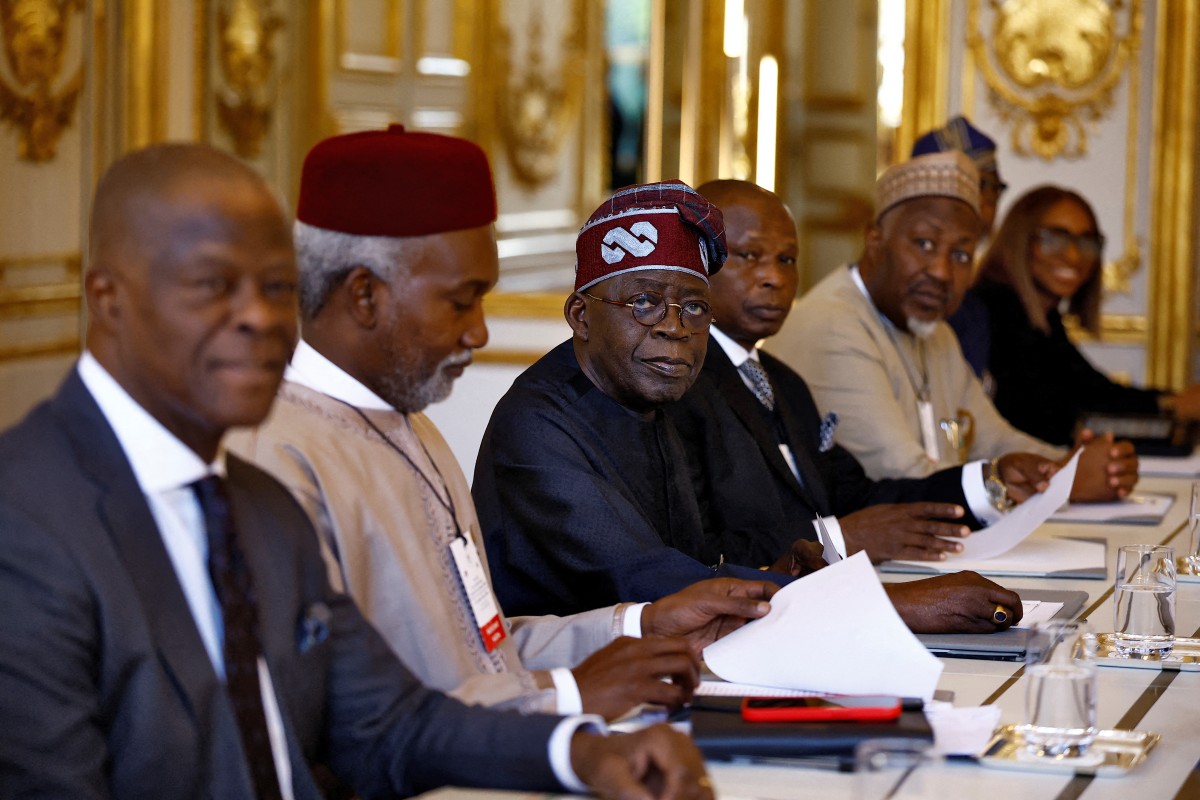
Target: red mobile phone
{"x": 813, "y": 709}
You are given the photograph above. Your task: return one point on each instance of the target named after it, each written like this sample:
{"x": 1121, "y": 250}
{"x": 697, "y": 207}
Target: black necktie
{"x": 235, "y": 591}
{"x": 759, "y": 381}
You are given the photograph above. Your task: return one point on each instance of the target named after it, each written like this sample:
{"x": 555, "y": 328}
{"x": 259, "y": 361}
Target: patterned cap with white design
{"x": 650, "y": 226}
{"x": 950, "y": 174}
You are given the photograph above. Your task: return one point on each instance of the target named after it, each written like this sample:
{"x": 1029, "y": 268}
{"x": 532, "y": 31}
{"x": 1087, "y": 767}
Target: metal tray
{"x": 1112, "y": 754}
{"x": 1184, "y": 656}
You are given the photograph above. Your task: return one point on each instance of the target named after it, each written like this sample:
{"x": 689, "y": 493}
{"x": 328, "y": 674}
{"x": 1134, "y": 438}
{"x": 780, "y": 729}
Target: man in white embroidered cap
{"x": 582, "y": 484}
{"x": 871, "y": 341}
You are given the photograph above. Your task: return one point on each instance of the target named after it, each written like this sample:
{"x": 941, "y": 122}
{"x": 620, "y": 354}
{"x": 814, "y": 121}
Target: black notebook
{"x": 722, "y": 734}
{"x": 1008, "y": 645}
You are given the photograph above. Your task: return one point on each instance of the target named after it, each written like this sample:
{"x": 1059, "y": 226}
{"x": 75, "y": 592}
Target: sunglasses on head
{"x": 1055, "y": 241}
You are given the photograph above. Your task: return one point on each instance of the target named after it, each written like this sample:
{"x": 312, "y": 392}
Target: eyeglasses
{"x": 1054, "y": 242}
{"x": 650, "y": 308}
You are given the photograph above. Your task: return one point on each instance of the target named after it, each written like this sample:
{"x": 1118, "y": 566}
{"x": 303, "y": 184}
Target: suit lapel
{"x": 747, "y": 408}
{"x": 124, "y": 513}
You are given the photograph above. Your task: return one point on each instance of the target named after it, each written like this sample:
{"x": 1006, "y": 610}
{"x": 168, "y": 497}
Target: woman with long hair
{"x": 1046, "y": 257}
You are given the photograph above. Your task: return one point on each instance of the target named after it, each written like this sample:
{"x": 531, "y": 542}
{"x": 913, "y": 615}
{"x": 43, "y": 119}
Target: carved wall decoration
{"x": 34, "y": 33}
{"x": 245, "y": 30}
{"x": 541, "y": 101}
{"x": 1050, "y": 66}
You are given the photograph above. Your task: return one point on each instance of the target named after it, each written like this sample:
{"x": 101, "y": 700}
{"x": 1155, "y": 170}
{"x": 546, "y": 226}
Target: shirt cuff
{"x": 631, "y": 620}
{"x": 560, "y": 748}
{"x": 976, "y": 493}
{"x": 835, "y": 535}
{"x": 566, "y": 690}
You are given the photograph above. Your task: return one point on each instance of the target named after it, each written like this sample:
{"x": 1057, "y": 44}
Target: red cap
{"x": 396, "y": 183}
{"x": 651, "y": 226}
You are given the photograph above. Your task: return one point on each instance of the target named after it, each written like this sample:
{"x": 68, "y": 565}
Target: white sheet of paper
{"x": 829, "y": 550}
{"x": 1035, "y": 611}
{"x": 1138, "y": 508}
{"x": 1011, "y": 529}
{"x": 724, "y": 689}
{"x": 829, "y": 632}
{"x": 1031, "y": 557}
{"x": 1186, "y": 467}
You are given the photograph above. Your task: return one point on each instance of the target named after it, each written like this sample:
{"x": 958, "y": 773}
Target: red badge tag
{"x": 479, "y": 591}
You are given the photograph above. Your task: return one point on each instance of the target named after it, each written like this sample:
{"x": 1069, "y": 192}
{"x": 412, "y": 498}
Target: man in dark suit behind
{"x": 764, "y": 466}
{"x": 136, "y": 660}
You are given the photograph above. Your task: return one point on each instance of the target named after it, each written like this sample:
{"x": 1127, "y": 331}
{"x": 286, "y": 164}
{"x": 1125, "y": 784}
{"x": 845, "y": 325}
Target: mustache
{"x": 462, "y": 359}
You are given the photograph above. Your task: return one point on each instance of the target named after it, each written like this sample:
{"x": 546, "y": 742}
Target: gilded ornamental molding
{"x": 34, "y": 34}
{"x": 538, "y": 103}
{"x": 1051, "y": 65}
{"x": 245, "y": 30}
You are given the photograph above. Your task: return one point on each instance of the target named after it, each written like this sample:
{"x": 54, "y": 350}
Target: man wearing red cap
{"x": 168, "y": 630}
{"x": 396, "y": 249}
{"x": 582, "y": 482}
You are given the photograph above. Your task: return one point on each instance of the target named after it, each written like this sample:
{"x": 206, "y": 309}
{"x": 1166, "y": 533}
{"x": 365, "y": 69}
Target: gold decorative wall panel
{"x": 246, "y": 31}
{"x": 370, "y": 41}
{"x": 1175, "y": 173}
{"x": 926, "y": 71}
{"x": 538, "y": 103}
{"x": 1051, "y": 66}
{"x": 40, "y": 302}
{"x": 35, "y": 99}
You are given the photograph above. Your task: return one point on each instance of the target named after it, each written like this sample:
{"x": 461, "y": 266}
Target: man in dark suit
{"x": 764, "y": 463}
{"x": 166, "y": 626}
{"x": 582, "y": 484}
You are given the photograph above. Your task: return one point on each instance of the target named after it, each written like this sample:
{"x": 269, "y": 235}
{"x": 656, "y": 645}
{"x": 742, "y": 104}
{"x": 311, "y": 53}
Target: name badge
{"x": 479, "y": 591}
{"x": 928, "y": 430}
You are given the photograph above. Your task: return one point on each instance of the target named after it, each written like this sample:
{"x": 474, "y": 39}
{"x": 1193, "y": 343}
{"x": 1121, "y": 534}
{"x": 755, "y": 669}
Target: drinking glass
{"x": 1060, "y": 693}
{"x": 1144, "y": 600}
{"x": 1189, "y": 562}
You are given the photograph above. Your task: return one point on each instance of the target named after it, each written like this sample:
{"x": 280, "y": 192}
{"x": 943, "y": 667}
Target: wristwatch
{"x": 997, "y": 491}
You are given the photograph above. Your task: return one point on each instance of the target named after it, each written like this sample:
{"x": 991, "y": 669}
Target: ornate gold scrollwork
{"x": 1051, "y": 65}
{"x": 535, "y": 107}
{"x": 245, "y": 31}
{"x": 34, "y": 32}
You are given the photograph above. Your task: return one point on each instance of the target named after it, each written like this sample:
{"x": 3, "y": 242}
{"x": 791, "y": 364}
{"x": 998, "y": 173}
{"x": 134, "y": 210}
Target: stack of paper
{"x": 829, "y": 632}
{"x": 1005, "y": 548}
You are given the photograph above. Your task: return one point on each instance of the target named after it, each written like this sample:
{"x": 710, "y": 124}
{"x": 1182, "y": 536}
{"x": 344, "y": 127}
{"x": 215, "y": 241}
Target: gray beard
{"x": 922, "y": 329}
{"x": 408, "y": 395}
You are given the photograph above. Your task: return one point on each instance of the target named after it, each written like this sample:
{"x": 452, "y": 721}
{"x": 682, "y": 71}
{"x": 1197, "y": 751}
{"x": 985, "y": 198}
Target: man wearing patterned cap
{"x": 969, "y": 317}
{"x": 960, "y": 134}
{"x": 579, "y": 446}
{"x": 582, "y": 482}
{"x": 396, "y": 249}
{"x": 871, "y": 341}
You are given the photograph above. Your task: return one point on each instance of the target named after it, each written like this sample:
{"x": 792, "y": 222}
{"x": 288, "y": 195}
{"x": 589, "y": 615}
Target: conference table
{"x": 1162, "y": 701}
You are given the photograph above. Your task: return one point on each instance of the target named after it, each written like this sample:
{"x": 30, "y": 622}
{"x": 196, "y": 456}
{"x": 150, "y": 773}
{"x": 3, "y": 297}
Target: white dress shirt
{"x": 165, "y": 468}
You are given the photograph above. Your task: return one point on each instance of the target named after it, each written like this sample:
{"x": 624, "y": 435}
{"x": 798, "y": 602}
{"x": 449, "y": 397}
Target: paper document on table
{"x": 1011, "y": 529}
{"x": 1077, "y": 558}
{"x": 726, "y": 689}
{"x": 1186, "y": 467}
{"x": 1035, "y": 611}
{"x": 829, "y": 632}
{"x": 1136, "y": 509}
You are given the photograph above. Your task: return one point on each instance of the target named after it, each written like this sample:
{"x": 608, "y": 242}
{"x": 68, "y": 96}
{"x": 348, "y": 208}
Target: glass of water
{"x": 1144, "y": 600}
{"x": 1189, "y": 562}
{"x": 1060, "y": 693}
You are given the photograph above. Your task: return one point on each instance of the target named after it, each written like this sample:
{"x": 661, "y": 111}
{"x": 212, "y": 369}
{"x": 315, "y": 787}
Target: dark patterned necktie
{"x": 235, "y": 591}
{"x": 759, "y": 381}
